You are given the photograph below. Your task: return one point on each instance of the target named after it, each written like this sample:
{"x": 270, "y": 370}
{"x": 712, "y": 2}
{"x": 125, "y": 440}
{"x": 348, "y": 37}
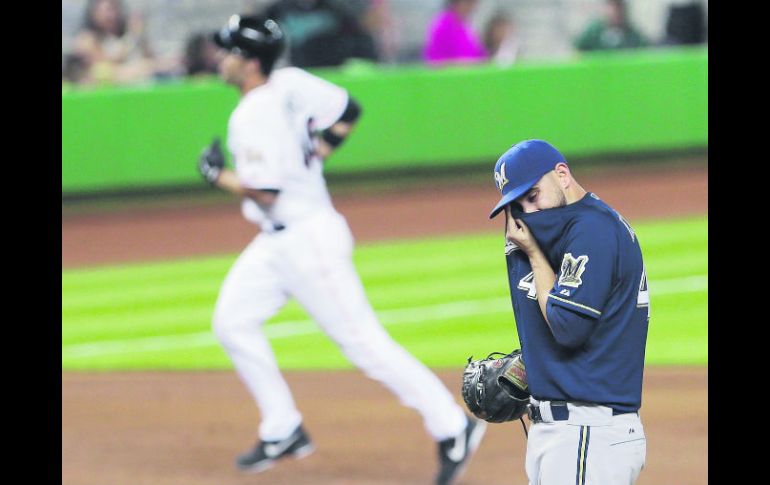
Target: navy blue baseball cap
{"x": 519, "y": 168}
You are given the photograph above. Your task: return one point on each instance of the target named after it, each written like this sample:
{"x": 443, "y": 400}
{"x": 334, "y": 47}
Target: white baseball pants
{"x": 311, "y": 261}
{"x": 592, "y": 447}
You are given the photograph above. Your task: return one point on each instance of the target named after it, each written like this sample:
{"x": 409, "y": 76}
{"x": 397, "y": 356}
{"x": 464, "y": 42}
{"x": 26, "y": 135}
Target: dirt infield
{"x": 151, "y": 428}
{"x": 186, "y": 428}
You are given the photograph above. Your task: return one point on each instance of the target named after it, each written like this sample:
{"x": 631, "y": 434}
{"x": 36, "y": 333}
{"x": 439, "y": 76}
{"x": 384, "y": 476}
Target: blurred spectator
{"x": 501, "y": 39}
{"x": 114, "y": 45}
{"x": 75, "y": 70}
{"x": 685, "y": 24}
{"x": 378, "y": 19}
{"x": 613, "y": 30}
{"x": 321, "y": 32}
{"x": 201, "y": 55}
{"x": 451, "y": 37}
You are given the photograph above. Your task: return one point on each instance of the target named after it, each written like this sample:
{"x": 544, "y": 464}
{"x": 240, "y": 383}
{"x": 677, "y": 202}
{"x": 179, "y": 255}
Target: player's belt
{"x": 559, "y": 411}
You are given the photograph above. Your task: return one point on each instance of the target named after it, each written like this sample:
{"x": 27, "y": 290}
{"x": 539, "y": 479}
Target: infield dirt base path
{"x": 185, "y": 428}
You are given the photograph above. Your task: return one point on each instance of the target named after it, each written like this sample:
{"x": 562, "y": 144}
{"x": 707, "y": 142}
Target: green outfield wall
{"x": 145, "y": 137}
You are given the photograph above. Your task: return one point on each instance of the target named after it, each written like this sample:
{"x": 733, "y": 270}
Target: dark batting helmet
{"x": 253, "y": 37}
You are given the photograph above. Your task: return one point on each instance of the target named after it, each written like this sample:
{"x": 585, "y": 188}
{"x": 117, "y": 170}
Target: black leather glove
{"x": 495, "y": 389}
{"x": 211, "y": 162}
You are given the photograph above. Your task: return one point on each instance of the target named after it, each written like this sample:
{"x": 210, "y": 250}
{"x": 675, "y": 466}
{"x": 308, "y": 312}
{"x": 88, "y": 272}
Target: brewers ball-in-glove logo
{"x": 500, "y": 178}
{"x": 571, "y": 269}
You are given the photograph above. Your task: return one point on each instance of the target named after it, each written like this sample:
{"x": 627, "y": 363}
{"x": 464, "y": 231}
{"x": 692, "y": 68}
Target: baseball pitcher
{"x": 285, "y": 125}
{"x": 580, "y": 299}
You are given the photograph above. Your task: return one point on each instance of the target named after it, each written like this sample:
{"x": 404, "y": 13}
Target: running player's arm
{"x": 228, "y": 180}
{"x": 331, "y": 138}
{"x": 333, "y": 111}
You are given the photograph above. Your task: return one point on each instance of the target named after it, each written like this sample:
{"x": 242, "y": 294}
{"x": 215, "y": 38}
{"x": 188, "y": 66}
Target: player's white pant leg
{"x": 565, "y": 453}
{"x": 336, "y": 299}
{"x": 623, "y": 450}
{"x": 555, "y": 452}
{"x": 250, "y": 294}
{"x": 537, "y": 439}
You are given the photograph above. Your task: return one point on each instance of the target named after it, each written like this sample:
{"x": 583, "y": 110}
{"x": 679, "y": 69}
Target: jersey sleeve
{"x": 258, "y": 154}
{"x": 324, "y": 101}
{"x": 585, "y": 275}
{"x": 570, "y": 328}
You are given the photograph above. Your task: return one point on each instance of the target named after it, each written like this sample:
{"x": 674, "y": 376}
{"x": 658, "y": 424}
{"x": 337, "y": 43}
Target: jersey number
{"x": 628, "y": 226}
{"x": 643, "y": 297}
{"x": 527, "y": 283}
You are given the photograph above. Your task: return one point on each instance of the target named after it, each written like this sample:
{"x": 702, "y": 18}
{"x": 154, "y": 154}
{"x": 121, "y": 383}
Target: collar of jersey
{"x": 548, "y": 225}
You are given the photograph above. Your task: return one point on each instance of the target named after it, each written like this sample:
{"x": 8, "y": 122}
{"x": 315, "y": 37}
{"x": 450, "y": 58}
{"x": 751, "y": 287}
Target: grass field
{"x": 443, "y": 299}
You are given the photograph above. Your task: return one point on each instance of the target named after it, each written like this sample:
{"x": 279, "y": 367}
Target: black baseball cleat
{"x": 454, "y": 453}
{"x": 266, "y": 453}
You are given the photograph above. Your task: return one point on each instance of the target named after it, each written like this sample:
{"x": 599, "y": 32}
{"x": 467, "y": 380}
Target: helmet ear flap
{"x": 219, "y": 38}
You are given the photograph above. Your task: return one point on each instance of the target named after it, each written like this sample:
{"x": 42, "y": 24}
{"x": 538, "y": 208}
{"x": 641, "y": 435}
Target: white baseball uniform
{"x": 304, "y": 250}
{"x": 604, "y": 448}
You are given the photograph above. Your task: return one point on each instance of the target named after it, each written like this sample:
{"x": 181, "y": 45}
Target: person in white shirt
{"x": 286, "y": 124}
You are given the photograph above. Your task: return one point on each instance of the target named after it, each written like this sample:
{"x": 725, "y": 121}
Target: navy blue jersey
{"x": 598, "y": 306}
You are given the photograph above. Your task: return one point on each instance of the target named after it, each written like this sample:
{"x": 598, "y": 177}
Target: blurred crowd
{"x": 112, "y": 45}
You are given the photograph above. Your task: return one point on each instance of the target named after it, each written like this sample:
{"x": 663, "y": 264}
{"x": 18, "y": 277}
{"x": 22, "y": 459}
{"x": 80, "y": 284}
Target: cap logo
{"x": 500, "y": 177}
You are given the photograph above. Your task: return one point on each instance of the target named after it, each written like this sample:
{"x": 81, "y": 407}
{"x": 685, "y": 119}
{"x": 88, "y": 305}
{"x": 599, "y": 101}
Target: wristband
{"x": 331, "y": 138}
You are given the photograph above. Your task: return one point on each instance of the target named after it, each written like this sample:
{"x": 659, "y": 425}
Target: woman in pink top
{"x": 451, "y": 38}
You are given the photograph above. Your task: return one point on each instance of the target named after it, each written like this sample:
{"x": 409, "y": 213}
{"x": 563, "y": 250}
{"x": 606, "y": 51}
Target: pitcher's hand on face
{"x": 519, "y": 234}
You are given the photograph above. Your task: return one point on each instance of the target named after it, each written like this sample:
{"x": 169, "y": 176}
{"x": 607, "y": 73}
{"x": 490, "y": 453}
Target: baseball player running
{"x": 286, "y": 123}
{"x": 581, "y": 304}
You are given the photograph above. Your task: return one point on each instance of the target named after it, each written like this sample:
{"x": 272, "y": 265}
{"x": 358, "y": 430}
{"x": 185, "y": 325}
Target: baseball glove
{"x": 495, "y": 389}
{"x": 211, "y": 162}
